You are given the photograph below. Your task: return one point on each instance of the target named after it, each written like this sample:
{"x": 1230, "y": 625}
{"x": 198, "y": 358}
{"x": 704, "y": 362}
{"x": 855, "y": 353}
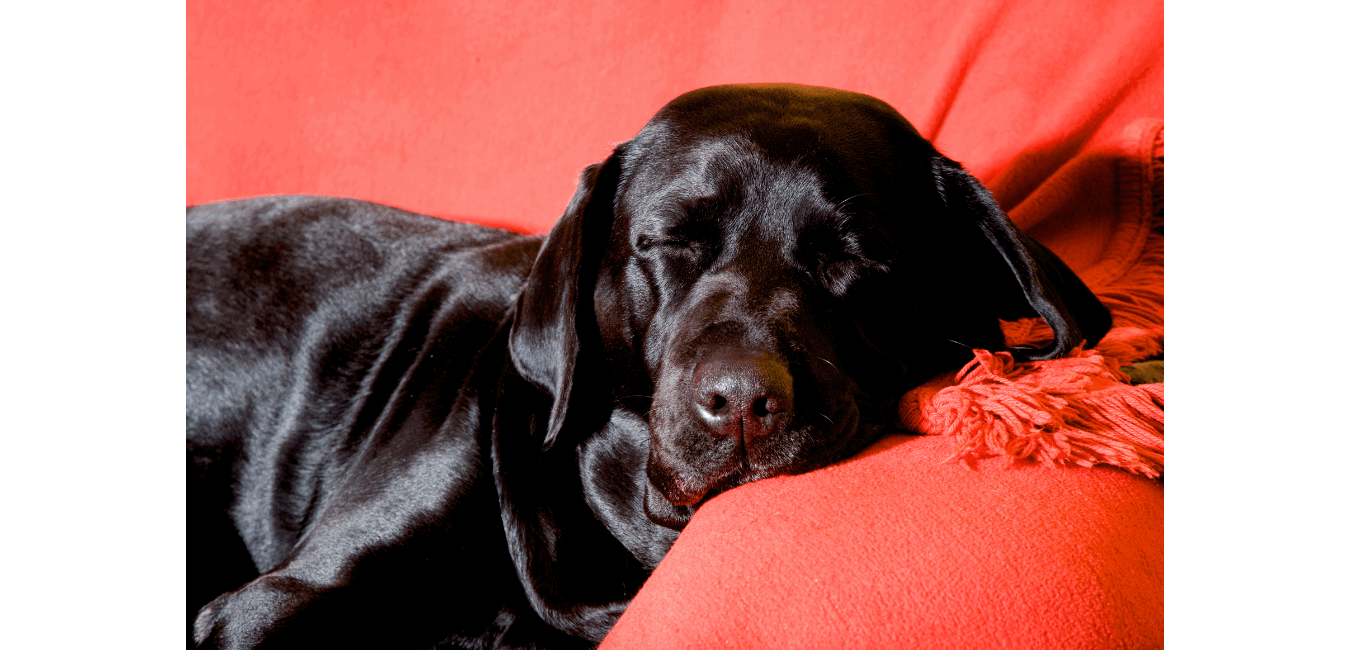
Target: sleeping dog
{"x": 408, "y": 432}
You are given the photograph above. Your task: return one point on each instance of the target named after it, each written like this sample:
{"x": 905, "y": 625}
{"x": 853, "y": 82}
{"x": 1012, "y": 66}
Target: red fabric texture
{"x": 488, "y": 113}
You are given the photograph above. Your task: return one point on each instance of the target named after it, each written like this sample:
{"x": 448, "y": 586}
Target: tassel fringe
{"x": 1071, "y": 411}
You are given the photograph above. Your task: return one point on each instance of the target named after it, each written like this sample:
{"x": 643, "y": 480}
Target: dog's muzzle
{"x": 745, "y": 397}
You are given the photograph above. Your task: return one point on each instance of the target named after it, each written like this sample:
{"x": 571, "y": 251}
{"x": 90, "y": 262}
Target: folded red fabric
{"x": 490, "y": 111}
{"x": 897, "y": 549}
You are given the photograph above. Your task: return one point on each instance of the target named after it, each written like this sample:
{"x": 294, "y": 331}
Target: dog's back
{"x": 295, "y": 306}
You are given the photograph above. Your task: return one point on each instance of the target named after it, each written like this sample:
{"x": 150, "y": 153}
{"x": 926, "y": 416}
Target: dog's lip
{"x": 737, "y": 471}
{"x": 683, "y": 493}
{"x": 842, "y": 434}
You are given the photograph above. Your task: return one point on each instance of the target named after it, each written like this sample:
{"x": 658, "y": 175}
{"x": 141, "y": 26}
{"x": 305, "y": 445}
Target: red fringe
{"x": 1136, "y": 297}
{"x": 1075, "y": 410}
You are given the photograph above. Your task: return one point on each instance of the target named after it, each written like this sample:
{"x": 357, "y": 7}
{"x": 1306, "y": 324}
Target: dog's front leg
{"x": 402, "y": 557}
{"x": 261, "y": 611}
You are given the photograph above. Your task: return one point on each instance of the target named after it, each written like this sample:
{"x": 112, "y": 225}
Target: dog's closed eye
{"x": 673, "y": 243}
{"x": 838, "y": 261}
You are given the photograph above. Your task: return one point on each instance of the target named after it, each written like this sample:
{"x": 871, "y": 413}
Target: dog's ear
{"x": 552, "y": 395}
{"x": 1015, "y": 276}
{"x": 554, "y": 332}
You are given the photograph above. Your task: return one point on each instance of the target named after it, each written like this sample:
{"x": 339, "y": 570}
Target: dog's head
{"x": 761, "y": 273}
{"x": 768, "y": 268}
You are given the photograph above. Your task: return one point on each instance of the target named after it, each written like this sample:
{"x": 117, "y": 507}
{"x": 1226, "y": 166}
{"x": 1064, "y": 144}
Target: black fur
{"x": 407, "y": 432}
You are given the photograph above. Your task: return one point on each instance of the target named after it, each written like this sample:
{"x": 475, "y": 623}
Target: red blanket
{"x": 898, "y": 549}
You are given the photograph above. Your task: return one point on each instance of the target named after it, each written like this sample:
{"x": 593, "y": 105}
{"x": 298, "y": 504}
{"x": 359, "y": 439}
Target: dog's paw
{"x": 261, "y": 611}
{"x": 204, "y": 627}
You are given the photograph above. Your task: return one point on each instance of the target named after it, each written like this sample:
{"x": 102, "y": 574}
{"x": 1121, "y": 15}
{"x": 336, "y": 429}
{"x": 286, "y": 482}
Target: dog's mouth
{"x": 730, "y": 409}
{"x": 683, "y": 477}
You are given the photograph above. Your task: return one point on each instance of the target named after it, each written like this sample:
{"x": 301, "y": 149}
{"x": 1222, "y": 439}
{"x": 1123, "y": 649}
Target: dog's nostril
{"x": 768, "y": 405}
{"x": 718, "y": 402}
{"x": 761, "y": 407}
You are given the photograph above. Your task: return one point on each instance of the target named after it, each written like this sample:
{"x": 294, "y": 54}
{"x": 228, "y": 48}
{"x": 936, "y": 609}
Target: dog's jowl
{"x": 410, "y": 433}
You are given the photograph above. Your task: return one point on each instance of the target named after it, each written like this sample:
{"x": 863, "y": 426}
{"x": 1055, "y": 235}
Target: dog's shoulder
{"x": 334, "y": 235}
{"x": 257, "y": 260}
{"x": 295, "y": 291}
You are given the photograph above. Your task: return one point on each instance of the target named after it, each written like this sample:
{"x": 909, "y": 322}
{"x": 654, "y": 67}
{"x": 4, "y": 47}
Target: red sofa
{"x": 480, "y": 112}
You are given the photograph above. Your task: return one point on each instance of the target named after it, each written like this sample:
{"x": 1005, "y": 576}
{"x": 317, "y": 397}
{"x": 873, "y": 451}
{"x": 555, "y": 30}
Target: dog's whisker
{"x": 844, "y": 203}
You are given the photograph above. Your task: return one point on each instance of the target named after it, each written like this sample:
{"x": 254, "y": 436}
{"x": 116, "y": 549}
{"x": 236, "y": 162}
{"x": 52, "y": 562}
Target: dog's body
{"x": 434, "y": 433}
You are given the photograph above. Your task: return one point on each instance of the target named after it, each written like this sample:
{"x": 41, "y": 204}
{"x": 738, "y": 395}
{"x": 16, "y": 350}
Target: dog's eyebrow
{"x": 843, "y": 217}
{"x": 678, "y": 207}
{"x": 853, "y": 232}
{"x": 710, "y": 208}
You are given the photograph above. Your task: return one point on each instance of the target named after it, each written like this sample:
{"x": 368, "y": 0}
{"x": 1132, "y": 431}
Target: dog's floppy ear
{"x": 555, "y": 317}
{"x": 552, "y": 395}
{"x": 1040, "y": 284}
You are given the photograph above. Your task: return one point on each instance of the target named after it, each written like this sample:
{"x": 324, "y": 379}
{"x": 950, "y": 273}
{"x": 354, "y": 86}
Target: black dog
{"x": 431, "y": 434}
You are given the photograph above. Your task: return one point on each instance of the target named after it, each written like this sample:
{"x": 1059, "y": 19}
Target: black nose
{"x": 747, "y": 396}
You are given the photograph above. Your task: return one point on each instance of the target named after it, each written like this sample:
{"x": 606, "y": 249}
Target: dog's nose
{"x": 746, "y": 396}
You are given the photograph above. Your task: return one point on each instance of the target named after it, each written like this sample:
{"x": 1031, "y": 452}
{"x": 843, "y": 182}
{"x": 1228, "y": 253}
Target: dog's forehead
{"x": 795, "y": 151}
{"x": 745, "y": 105}
{"x": 727, "y": 168}
{"x": 791, "y": 119}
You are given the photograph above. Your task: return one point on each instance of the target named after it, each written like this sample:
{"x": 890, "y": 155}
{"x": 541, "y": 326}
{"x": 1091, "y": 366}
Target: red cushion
{"x": 896, "y": 549}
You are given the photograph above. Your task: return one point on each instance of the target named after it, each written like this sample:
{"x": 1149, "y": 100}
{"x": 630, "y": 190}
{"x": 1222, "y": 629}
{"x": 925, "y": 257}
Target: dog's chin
{"x": 673, "y": 497}
{"x": 663, "y": 512}
{"x": 690, "y": 488}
